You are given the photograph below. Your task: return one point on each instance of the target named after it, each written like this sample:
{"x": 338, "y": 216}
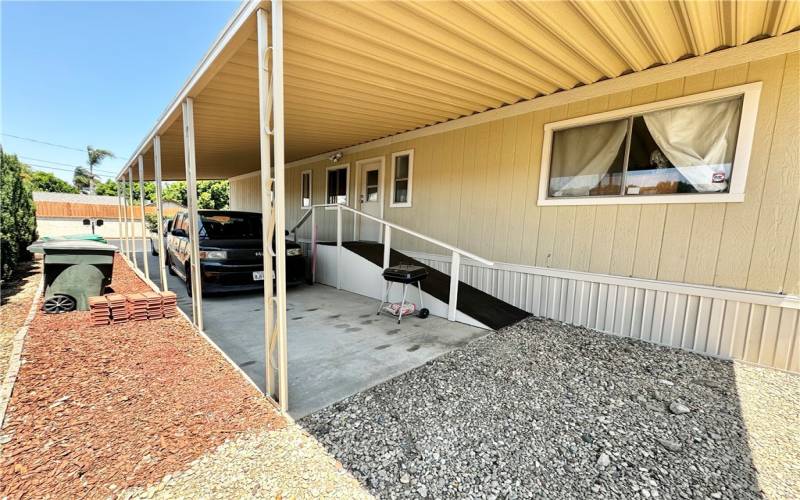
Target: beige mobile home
{"x": 629, "y": 167}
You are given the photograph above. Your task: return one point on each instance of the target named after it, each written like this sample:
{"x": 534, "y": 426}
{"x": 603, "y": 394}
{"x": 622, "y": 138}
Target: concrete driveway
{"x": 337, "y": 345}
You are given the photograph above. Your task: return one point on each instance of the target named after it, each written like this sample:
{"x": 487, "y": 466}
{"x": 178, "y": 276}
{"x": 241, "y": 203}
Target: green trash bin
{"x": 74, "y": 270}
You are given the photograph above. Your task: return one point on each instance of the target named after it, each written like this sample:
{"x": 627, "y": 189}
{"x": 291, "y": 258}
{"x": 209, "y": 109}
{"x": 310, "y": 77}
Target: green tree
{"x": 82, "y": 179}
{"x": 45, "y": 181}
{"x": 175, "y": 192}
{"x": 107, "y": 188}
{"x": 17, "y": 213}
{"x": 210, "y": 194}
{"x": 96, "y": 157}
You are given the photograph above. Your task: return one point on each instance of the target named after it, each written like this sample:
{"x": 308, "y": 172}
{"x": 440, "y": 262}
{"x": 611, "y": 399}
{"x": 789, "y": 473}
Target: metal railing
{"x": 455, "y": 263}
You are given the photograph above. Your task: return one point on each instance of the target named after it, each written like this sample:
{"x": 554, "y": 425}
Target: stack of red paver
{"x": 98, "y": 308}
{"x": 137, "y": 307}
{"x": 169, "y": 304}
{"x": 118, "y": 307}
{"x": 154, "y": 309}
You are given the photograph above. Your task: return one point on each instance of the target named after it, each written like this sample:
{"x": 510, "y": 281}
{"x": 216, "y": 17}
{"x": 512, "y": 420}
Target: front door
{"x": 371, "y": 199}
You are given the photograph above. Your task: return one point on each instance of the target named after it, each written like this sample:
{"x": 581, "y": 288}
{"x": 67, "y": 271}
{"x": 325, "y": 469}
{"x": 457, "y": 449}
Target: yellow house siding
{"x": 245, "y": 194}
{"x": 477, "y": 187}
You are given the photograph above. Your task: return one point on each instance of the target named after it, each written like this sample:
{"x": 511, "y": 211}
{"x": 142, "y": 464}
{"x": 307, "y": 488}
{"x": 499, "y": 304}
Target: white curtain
{"x": 582, "y": 156}
{"x": 699, "y": 140}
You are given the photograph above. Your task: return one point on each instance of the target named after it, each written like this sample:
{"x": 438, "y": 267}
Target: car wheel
{"x": 152, "y": 248}
{"x": 168, "y": 263}
{"x": 188, "y": 280}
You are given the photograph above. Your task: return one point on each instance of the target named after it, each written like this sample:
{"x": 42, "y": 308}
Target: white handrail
{"x": 440, "y": 243}
{"x": 455, "y": 263}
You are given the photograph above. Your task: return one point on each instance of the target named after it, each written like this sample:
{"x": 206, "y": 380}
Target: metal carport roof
{"x": 360, "y": 71}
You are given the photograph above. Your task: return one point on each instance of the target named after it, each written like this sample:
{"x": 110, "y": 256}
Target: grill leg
{"x": 402, "y": 304}
{"x": 419, "y": 288}
{"x": 386, "y": 290}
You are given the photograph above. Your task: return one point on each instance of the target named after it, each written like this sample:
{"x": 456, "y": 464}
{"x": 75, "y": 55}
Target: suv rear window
{"x": 230, "y": 227}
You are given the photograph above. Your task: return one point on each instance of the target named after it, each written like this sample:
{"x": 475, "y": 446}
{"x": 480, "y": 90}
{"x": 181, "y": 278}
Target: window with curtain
{"x": 337, "y": 185}
{"x": 305, "y": 189}
{"x": 402, "y": 172}
{"x": 684, "y": 149}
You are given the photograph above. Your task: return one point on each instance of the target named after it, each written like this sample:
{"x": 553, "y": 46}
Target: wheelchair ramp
{"x": 362, "y": 263}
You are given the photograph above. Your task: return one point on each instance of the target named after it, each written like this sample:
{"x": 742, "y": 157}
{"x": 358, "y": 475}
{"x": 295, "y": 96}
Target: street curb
{"x": 15, "y": 360}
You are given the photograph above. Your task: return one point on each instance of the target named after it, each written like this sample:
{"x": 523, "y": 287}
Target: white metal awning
{"x": 359, "y": 71}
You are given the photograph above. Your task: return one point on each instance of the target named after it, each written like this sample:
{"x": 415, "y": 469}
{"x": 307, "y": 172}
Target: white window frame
{"x": 345, "y": 166}
{"x": 310, "y": 174}
{"x": 751, "y": 93}
{"x": 405, "y": 204}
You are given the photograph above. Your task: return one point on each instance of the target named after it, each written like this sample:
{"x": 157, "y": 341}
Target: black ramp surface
{"x": 479, "y": 305}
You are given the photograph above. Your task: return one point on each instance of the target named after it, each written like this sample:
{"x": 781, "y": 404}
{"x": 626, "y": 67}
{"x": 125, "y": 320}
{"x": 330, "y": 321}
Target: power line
{"x": 64, "y": 164}
{"x": 58, "y": 168}
{"x": 44, "y": 142}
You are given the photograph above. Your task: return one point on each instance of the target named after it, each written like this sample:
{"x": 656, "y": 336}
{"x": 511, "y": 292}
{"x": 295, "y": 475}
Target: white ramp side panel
{"x": 364, "y": 278}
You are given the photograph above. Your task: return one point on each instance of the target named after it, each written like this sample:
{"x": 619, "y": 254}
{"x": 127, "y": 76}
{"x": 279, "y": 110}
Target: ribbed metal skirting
{"x": 742, "y": 326}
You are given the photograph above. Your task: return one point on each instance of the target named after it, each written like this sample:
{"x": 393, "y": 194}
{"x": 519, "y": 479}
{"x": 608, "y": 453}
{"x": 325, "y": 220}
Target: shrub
{"x": 17, "y": 213}
{"x": 152, "y": 222}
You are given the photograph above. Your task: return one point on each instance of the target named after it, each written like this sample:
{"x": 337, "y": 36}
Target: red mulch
{"x": 119, "y": 405}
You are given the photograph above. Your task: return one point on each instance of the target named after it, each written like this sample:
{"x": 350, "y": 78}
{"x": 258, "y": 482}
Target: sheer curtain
{"x": 699, "y": 140}
{"x": 582, "y": 156}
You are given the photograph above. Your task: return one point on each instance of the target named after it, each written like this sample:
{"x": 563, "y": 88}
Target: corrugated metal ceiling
{"x": 358, "y": 71}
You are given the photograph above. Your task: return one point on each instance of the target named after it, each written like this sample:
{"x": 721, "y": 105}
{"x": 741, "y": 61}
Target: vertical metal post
{"x": 132, "y": 227}
{"x": 145, "y": 260}
{"x": 280, "y": 199}
{"x": 267, "y": 214}
{"x": 387, "y": 245}
{"x": 455, "y": 269}
{"x": 124, "y": 186}
{"x": 123, "y": 244}
{"x": 338, "y": 247}
{"x": 194, "y": 221}
{"x": 162, "y": 256}
{"x": 313, "y": 245}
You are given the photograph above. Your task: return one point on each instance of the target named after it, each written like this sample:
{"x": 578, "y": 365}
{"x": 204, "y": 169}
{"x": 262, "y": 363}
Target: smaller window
{"x": 305, "y": 189}
{"x": 336, "y": 190}
{"x": 402, "y": 175}
{"x": 371, "y": 186}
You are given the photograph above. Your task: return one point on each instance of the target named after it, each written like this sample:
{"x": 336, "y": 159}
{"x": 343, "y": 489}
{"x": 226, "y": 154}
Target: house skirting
{"x": 756, "y": 327}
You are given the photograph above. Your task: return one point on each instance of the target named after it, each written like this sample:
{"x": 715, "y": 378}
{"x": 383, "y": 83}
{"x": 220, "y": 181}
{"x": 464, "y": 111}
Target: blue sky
{"x": 95, "y": 73}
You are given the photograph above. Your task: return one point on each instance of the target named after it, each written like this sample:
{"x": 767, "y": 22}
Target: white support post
{"x": 280, "y": 199}
{"x": 273, "y": 198}
{"x": 128, "y": 249}
{"x": 194, "y": 222}
{"x": 123, "y": 232}
{"x": 387, "y": 245}
{"x": 338, "y": 247}
{"x": 267, "y": 215}
{"x": 131, "y": 219}
{"x": 162, "y": 256}
{"x": 145, "y": 260}
{"x": 313, "y": 245}
{"x": 455, "y": 269}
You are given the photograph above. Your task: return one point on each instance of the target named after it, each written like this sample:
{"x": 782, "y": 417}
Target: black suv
{"x": 230, "y": 252}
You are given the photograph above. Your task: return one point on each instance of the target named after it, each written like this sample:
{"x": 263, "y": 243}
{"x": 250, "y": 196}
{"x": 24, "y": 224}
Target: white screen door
{"x": 371, "y": 199}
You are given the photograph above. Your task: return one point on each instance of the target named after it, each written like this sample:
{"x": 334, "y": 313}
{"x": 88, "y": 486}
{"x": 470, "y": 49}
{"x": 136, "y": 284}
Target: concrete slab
{"x": 337, "y": 345}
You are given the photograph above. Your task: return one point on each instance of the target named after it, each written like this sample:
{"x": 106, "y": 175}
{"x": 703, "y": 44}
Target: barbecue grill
{"x": 407, "y": 275}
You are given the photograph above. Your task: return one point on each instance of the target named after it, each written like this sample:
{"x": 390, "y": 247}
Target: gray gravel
{"x": 547, "y": 410}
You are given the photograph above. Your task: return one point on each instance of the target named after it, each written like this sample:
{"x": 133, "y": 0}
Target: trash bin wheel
{"x": 59, "y": 304}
